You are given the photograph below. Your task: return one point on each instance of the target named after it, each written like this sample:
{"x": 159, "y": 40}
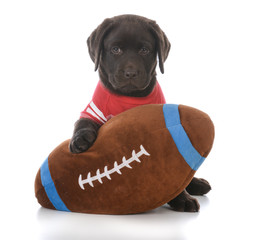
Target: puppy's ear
{"x": 163, "y": 44}
{"x": 95, "y": 41}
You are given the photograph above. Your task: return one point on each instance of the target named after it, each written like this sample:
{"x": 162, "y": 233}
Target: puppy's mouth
{"x": 128, "y": 86}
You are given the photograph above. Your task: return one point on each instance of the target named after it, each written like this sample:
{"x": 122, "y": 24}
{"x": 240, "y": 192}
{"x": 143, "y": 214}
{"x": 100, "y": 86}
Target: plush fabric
{"x": 135, "y": 164}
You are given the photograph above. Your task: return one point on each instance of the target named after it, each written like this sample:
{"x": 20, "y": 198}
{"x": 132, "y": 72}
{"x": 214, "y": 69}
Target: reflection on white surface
{"x": 161, "y": 223}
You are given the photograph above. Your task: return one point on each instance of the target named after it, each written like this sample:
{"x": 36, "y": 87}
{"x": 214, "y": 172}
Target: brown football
{"x": 141, "y": 159}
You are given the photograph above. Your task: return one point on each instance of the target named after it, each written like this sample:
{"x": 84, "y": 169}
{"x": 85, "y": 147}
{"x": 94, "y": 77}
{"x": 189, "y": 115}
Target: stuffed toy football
{"x": 141, "y": 159}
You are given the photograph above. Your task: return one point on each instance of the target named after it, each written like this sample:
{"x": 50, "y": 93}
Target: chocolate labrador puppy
{"x": 125, "y": 50}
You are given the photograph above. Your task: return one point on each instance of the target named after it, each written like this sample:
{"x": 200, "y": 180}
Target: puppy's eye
{"x": 116, "y": 50}
{"x": 144, "y": 51}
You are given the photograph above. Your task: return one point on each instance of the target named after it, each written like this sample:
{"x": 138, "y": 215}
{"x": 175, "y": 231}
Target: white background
{"x": 47, "y": 78}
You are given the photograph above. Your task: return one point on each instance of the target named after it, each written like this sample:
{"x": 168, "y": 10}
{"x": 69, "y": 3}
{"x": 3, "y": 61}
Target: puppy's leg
{"x": 84, "y": 135}
{"x": 198, "y": 186}
{"x": 184, "y": 203}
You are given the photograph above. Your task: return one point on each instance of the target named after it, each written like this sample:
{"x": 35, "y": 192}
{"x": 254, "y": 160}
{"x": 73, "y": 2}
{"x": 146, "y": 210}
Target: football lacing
{"x": 116, "y": 168}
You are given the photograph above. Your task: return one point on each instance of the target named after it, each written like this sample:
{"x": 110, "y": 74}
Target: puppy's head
{"x": 125, "y": 49}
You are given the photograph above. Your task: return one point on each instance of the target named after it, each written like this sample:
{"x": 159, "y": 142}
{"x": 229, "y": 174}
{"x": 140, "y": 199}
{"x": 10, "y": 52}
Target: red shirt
{"x": 105, "y": 104}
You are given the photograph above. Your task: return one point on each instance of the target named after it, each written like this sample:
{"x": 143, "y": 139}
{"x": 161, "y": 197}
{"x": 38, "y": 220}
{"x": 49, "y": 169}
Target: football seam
{"x": 125, "y": 163}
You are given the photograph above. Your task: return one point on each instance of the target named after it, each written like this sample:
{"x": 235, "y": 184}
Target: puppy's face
{"x": 125, "y": 49}
{"x": 129, "y": 58}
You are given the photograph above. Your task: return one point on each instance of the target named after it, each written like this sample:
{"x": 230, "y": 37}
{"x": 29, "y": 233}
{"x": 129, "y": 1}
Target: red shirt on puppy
{"x": 105, "y": 104}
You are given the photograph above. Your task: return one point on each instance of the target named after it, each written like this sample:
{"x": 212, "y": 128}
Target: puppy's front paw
{"x": 82, "y": 140}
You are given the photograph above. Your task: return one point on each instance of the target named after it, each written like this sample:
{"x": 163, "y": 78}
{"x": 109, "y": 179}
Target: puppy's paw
{"x": 198, "y": 186}
{"x": 184, "y": 203}
{"x": 82, "y": 140}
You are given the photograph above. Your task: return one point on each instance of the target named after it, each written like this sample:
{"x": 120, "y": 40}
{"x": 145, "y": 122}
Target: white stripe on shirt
{"x": 97, "y": 111}
{"x": 94, "y": 115}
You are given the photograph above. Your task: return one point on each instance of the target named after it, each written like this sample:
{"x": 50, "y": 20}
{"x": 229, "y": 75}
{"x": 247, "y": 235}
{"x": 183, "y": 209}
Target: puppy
{"x": 125, "y": 50}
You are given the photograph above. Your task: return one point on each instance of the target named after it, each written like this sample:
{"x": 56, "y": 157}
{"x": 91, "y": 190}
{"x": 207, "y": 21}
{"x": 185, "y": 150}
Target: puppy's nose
{"x": 130, "y": 73}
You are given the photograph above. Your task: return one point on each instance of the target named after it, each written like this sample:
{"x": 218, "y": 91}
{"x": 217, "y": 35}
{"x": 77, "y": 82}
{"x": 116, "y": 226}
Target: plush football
{"x": 141, "y": 159}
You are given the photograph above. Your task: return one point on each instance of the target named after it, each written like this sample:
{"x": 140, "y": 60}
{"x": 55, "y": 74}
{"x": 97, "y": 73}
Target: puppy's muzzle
{"x": 130, "y": 74}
